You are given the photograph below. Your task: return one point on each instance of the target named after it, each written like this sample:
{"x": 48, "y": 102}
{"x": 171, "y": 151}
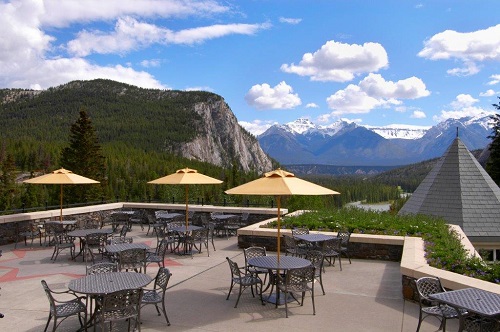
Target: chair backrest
{"x": 132, "y": 258}
{"x": 199, "y": 234}
{"x": 300, "y": 231}
{"x": 103, "y": 267}
{"x": 427, "y": 286}
{"x": 290, "y": 242}
{"x": 332, "y": 245}
{"x": 123, "y": 304}
{"x": 252, "y": 252}
{"x": 317, "y": 259}
{"x": 345, "y": 236}
{"x": 48, "y": 292}
{"x": 162, "y": 247}
{"x": 300, "y": 278}
{"x": 235, "y": 270}
{"x": 96, "y": 240}
{"x": 123, "y": 231}
{"x": 244, "y": 216}
{"x": 162, "y": 278}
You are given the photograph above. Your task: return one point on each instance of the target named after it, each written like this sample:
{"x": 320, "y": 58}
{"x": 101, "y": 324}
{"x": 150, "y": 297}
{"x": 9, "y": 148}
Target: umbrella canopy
{"x": 280, "y": 183}
{"x": 186, "y": 176}
{"x": 61, "y": 176}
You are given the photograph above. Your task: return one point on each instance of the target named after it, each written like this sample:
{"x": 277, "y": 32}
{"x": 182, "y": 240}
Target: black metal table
{"x": 116, "y": 248}
{"x": 183, "y": 232}
{"x": 313, "y": 238}
{"x": 272, "y": 263}
{"x": 107, "y": 283}
{"x": 474, "y": 300}
{"x": 82, "y": 233}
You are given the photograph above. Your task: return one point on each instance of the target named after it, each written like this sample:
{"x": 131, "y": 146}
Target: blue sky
{"x": 373, "y": 62}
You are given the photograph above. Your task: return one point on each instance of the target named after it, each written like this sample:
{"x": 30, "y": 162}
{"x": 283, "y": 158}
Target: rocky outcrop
{"x": 223, "y": 141}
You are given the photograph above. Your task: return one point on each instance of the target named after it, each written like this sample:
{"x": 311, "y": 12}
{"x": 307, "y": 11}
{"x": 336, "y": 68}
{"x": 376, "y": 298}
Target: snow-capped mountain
{"x": 347, "y": 143}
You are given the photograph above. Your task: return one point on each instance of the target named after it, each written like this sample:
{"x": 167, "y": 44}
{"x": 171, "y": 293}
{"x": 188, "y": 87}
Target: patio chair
{"x": 62, "y": 242}
{"x": 317, "y": 260}
{"x": 197, "y": 239}
{"x": 244, "y": 280}
{"x": 331, "y": 251}
{"x": 425, "y": 287}
{"x": 154, "y": 223}
{"x": 27, "y": 231}
{"x": 62, "y": 309}
{"x": 94, "y": 244}
{"x": 102, "y": 267}
{"x": 132, "y": 259}
{"x": 292, "y": 248}
{"x": 120, "y": 306}
{"x": 297, "y": 281}
{"x": 158, "y": 256}
{"x": 345, "y": 236}
{"x": 244, "y": 219}
{"x": 157, "y": 294}
{"x": 140, "y": 218}
{"x": 252, "y": 252}
{"x": 120, "y": 219}
{"x": 211, "y": 228}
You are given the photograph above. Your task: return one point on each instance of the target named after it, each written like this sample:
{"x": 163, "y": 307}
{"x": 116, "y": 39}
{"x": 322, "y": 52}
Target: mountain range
{"x": 346, "y": 143}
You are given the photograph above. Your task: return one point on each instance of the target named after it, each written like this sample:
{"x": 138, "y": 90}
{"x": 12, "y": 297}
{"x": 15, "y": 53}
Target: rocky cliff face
{"x": 223, "y": 141}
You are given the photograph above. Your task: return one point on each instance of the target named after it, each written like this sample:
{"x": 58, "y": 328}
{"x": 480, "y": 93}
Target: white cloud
{"x": 488, "y": 93}
{"x": 469, "y": 47}
{"x": 256, "y": 127}
{"x": 340, "y": 62}
{"x": 463, "y": 100}
{"x": 150, "y": 63}
{"x": 418, "y": 115}
{"x": 312, "y": 105}
{"x": 130, "y": 34}
{"x": 462, "y": 106}
{"x": 495, "y": 79}
{"x": 263, "y": 96}
{"x": 290, "y": 20}
{"x": 374, "y": 91}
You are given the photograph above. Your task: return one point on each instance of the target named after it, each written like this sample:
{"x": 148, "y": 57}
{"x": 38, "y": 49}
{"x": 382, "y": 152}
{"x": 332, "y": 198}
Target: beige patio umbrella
{"x": 61, "y": 176}
{"x": 186, "y": 176}
{"x": 280, "y": 183}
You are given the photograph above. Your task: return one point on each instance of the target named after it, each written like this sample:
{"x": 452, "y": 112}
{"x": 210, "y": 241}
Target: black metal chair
{"x": 292, "y": 248}
{"x": 244, "y": 280}
{"x": 197, "y": 239}
{"x": 120, "y": 306}
{"x": 345, "y": 236}
{"x": 332, "y": 250}
{"x": 317, "y": 260}
{"x": 428, "y": 307}
{"x": 102, "y": 267}
{"x": 157, "y": 294}
{"x": 64, "y": 309}
{"x": 157, "y": 257}
{"x": 476, "y": 323}
{"x": 132, "y": 259}
{"x": 62, "y": 242}
{"x": 27, "y": 231}
{"x": 94, "y": 244}
{"x": 252, "y": 252}
{"x": 297, "y": 281}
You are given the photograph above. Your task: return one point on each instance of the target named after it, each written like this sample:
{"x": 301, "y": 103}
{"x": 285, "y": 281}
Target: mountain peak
{"x": 299, "y": 126}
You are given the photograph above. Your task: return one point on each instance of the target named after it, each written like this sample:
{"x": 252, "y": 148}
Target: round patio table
{"x": 106, "y": 283}
{"x": 82, "y": 233}
{"x": 272, "y": 263}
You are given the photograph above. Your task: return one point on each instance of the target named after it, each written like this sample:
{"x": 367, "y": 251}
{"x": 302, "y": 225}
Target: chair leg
{"x": 165, "y": 313}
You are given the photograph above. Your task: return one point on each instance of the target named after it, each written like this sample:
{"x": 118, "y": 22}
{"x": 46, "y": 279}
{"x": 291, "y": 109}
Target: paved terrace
{"x": 365, "y": 296}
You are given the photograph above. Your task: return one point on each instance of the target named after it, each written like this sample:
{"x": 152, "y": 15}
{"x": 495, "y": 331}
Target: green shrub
{"x": 443, "y": 248}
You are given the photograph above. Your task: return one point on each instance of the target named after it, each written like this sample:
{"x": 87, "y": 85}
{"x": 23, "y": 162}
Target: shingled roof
{"x": 459, "y": 190}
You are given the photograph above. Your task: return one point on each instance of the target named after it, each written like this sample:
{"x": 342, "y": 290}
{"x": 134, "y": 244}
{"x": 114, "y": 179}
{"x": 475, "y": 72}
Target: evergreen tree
{"x": 9, "y": 191}
{"x": 84, "y": 156}
{"x": 493, "y": 164}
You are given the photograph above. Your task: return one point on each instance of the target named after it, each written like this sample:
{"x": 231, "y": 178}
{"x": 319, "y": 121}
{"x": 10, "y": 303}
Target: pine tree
{"x": 84, "y": 156}
{"x": 493, "y": 164}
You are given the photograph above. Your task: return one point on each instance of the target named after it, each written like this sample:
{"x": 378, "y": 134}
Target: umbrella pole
{"x": 61, "y": 197}
{"x": 278, "y": 199}
{"x": 187, "y": 203}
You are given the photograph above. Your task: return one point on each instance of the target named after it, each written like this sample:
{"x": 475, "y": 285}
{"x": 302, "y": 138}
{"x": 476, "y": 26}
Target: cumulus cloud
{"x": 340, "y": 62}
{"x": 256, "y": 127}
{"x": 290, "y": 20}
{"x": 418, "y": 115}
{"x": 373, "y": 92}
{"x": 150, "y": 63}
{"x": 468, "y": 47}
{"x": 462, "y": 106}
{"x": 263, "y": 96}
{"x": 31, "y": 57}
